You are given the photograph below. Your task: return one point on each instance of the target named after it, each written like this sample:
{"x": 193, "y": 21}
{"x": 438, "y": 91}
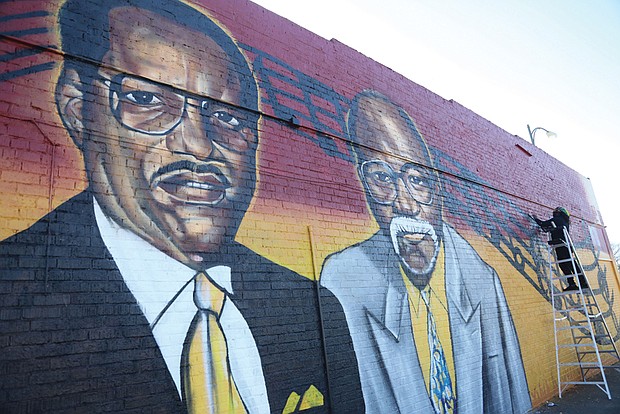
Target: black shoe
{"x": 571, "y": 287}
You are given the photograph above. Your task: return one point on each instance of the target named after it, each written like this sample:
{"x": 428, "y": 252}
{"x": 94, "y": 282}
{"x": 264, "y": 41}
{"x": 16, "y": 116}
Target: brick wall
{"x": 77, "y": 331}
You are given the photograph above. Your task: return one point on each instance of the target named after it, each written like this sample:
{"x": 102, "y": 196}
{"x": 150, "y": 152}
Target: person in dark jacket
{"x": 555, "y": 226}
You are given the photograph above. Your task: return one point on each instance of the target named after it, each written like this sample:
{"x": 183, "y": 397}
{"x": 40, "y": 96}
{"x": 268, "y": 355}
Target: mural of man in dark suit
{"x": 106, "y": 291}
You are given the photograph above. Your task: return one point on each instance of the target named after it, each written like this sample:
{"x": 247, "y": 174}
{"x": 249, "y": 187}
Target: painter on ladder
{"x": 555, "y": 226}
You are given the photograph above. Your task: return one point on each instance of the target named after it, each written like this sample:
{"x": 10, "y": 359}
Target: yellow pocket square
{"x": 312, "y": 398}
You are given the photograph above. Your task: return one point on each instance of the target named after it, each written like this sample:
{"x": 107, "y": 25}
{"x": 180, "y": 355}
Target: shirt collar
{"x": 153, "y": 277}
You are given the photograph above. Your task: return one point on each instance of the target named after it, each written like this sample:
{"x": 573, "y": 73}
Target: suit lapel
{"x": 388, "y": 308}
{"x": 282, "y": 361}
{"x": 138, "y": 343}
{"x": 392, "y": 339}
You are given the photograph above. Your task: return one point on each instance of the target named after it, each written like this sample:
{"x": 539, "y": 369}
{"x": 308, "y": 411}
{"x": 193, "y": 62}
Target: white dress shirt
{"x": 154, "y": 278}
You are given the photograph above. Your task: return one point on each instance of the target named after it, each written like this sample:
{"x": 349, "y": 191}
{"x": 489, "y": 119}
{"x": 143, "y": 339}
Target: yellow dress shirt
{"x": 436, "y": 292}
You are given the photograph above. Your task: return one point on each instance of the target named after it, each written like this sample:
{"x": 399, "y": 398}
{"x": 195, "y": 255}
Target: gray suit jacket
{"x": 489, "y": 371}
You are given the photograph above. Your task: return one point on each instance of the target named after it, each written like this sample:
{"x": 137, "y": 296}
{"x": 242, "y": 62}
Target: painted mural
{"x": 167, "y": 126}
{"x": 192, "y": 223}
{"x": 414, "y": 275}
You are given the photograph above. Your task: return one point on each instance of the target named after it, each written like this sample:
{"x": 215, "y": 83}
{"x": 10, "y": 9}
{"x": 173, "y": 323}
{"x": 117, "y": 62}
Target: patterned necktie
{"x": 440, "y": 387}
{"x": 206, "y": 380}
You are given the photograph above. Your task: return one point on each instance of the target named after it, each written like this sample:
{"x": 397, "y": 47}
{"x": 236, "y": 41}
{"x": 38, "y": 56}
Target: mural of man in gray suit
{"x": 429, "y": 320}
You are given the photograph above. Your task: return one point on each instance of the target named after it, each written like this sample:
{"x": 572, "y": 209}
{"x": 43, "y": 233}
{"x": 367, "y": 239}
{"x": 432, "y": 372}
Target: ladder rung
{"x": 567, "y": 293}
{"x": 577, "y": 345}
{"x": 566, "y": 328}
{"x": 580, "y": 325}
{"x": 589, "y": 337}
{"x": 564, "y": 277}
{"x": 583, "y": 382}
{"x": 608, "y": 351}
{"x": 580, "y": 364}
{"x": 579, "y": 308}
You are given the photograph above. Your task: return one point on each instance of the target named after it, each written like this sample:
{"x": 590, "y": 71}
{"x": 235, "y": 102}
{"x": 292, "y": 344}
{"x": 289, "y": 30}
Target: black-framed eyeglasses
{"x": 154, "y": 109}
{"x": 381, "y": 181}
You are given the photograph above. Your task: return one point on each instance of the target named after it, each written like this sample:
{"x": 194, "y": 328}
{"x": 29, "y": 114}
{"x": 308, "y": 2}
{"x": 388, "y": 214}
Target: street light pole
{"x": 532, "y": 132}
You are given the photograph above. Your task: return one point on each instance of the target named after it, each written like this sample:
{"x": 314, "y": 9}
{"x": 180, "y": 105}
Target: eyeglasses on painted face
{"x": 155, "y": 109}
{"x": 381, "y": 181}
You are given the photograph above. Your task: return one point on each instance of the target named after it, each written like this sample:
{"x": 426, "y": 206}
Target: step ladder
{"x": 578, "y": 323}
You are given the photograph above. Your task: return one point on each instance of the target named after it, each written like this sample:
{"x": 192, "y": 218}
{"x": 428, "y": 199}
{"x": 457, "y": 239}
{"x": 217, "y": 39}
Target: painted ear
{"x": 69, "y": 99}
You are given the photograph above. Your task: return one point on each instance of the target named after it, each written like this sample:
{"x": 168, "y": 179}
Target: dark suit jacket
{"x": 75, "y": 340}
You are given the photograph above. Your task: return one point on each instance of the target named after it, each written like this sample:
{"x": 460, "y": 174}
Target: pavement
{"x": 581, "y": 399}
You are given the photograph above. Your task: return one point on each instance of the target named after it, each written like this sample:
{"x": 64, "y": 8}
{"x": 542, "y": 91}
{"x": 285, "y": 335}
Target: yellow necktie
{"x": 440, "y": 389}
{"x": 207, "y": 383}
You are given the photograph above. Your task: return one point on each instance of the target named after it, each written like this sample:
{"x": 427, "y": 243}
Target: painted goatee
{"x": 408, "y": 235}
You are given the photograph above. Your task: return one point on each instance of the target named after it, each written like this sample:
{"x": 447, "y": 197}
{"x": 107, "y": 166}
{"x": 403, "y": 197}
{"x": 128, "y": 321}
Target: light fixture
{"x": 550, "y": 134}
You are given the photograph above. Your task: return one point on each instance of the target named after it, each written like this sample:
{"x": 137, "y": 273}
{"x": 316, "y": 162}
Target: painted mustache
{"x": 413, "y": 232}
{"x": 189, "y": 182}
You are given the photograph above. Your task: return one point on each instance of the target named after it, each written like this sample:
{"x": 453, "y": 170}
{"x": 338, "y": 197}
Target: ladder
{"x": 578, "y": 323}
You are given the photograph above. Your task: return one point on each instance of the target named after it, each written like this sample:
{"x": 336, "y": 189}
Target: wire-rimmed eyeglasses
{"x": 154, "y": 109}
{"x": 381, "y": 181}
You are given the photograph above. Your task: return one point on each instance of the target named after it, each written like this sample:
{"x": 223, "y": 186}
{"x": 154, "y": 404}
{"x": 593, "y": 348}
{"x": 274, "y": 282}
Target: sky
{"x": 547, "y": 63}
